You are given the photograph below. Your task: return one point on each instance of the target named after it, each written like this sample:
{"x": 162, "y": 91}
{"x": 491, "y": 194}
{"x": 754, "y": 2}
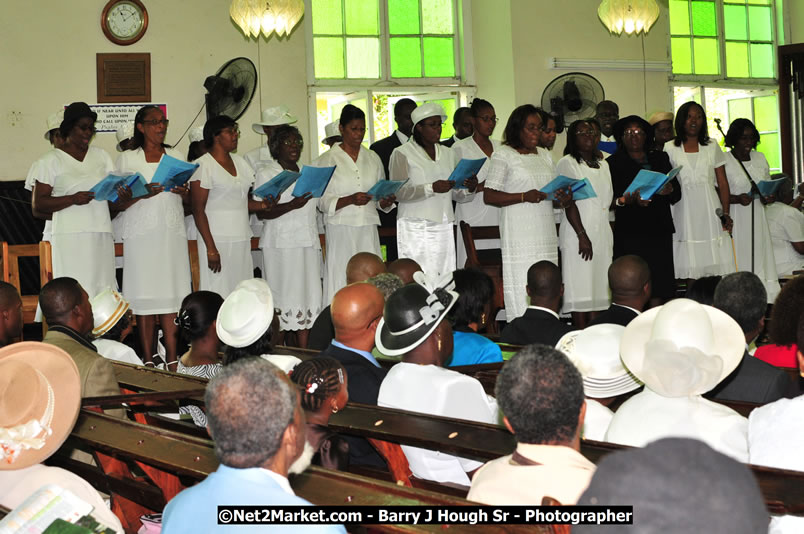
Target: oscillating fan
{"x": 572, "y": 96}
{"x": 229, "y": 92}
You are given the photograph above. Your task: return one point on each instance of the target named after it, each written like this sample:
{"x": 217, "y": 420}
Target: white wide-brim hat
{"x": 108, "y": 307}
{"x": 246, "y": 314}
{"x": 595, "y": 351}
{"x": 40, "y": 395}
{"x": 274, "y": 116}
{"x": 53, "y": 122}
{"x": 124, "y": 132}
{"x": 426, "y": 111}
{"x": 331, "y": 130}
{"x": 196, "y": 134}
{"x": 660, "y": 116}
{"x": 682, "y": 348}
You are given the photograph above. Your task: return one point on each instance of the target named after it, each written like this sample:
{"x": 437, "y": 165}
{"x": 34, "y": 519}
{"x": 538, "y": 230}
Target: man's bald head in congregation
{"x": 59, "y": 297}
{"x": 354, "y": 309}
{"x": 544, "y": 280}
{"x": 404, "y": 269}
{"x": 9, "y": 296}
{"x": 363, "y": 266}
{"x": 628, "y": 276}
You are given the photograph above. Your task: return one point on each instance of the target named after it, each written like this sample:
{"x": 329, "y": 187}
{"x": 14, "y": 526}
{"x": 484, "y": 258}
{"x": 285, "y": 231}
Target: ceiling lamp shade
{"x": 629, "y": 16}
{"x": 256, "y": 16}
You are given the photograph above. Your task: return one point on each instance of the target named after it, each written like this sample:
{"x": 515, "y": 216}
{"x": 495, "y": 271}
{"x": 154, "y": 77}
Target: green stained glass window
{"x": 362, "y": 17}
{"x": 761, "y": 22}
{"x": 328, "y": 54}
{"x": 766, "y": 113}
{"x": 437, "y": 17}
{"x": 739, "y": 108}
{"x": 679, "y": 17}
{"x": 769, "y": 145}
{"x": 406, "y": 57}
{"x": 327, "y": 17}
{"x": 737, "y": 60}
{"x": 362, "y": 57}
{"x": 762, "y": 61}
{"x": 438, "y": 57}
{"x": 706, "y": 56}
{"x": 735, "y": 24}
{"x": 403, "y": 17}
{"x": 704, "y": 21}
{"x": 682, "y": 55}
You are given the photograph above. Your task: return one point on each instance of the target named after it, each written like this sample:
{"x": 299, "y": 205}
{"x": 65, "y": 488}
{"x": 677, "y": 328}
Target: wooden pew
{"x": 11, "y": 255}
{"x": 192, "y": 459}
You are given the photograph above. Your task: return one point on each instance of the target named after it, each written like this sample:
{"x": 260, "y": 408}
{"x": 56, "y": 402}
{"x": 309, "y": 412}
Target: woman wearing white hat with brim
{"x": 680, "y": 351}
{"x": 424, "y": 225}
{"x": 112, "y": 324}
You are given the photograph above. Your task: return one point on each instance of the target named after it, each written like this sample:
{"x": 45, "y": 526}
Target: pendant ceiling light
{"x": 255, "y": 16}
{"x": 629, "y": 16}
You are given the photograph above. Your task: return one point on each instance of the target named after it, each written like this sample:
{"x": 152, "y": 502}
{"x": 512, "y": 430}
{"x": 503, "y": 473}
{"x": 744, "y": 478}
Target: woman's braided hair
{"x": 319, "y": 379}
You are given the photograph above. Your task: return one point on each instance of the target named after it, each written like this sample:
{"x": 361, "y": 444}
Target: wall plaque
{"x": 124, "y": 77}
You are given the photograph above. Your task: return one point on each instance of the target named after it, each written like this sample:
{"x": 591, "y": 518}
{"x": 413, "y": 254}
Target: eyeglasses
{"x": 233, "y": 130}
{"x": 634, "y": 132}
{"x": 293, "y": 142}
{"x": 587, "y": 133}
{"x": 489, "y": 118}
{"x": 432, "y": 125}
{"x": 156, "y": 122}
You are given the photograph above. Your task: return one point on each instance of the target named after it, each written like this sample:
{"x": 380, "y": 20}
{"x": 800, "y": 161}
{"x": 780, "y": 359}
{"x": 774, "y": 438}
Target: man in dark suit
{"x": 462, "y": 124}
{"x": 356, "y": 311}
{"x": 404, "y": 129}
{"x": 541, "y": 323}
{"x": 629, "y": 281}
{"x": 742, "y": 295}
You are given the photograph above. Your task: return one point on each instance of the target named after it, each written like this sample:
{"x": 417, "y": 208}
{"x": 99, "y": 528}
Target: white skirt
{"x": 88, "y": 257}
{"x": 764, "y": 259}
{"x": 343, "y": 242}
{"x": 431, "y": 245}
{"x": 294, "y": 275}
{"x": 156, "y": 272}
{"x": 236, "y": 266}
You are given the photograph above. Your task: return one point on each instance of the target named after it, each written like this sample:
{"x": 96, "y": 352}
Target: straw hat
{"x": 40, "y": 395}
{"x": 53, "y": 122}
{"x": 108, "y": 307}
{"x": 595, "y": 351}
{"x": 682, "y": 348}
{"x": 660, "y": 116}
{"x": 123, "y": 133}
{"x": 274, "y": 116}
{"x": 246, "y": 314}
{"x": 426, "y": 111}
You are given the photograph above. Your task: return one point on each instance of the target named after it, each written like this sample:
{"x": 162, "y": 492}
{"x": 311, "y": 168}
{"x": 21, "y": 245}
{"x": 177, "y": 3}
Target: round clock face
{"x": 124, "y": 20}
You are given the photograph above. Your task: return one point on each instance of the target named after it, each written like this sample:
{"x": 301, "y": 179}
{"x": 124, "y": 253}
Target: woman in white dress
{"x": 585, "y": 236}
{"x": 478, "y": 145}
{"x": 745, "y": 167}
{"x": 221, "y": 206}
{"x": 290, "y": 246}
{"x": 156, "y": 262}
{"x": 701, "y": 244}
{"x": 350, "y": 215}
{"x": 517, "y": 170}
{"x": 83, "y": 247}
{"x": 424, "y": 224}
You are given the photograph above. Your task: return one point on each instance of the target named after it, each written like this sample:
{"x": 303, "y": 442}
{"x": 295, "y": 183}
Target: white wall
{"x": 48, "y": 47}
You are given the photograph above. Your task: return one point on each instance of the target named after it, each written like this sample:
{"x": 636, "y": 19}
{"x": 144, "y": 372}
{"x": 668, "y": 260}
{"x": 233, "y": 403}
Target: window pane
{"x": 780, "y": 22}
{"x": 403, "y": 17}
{"x": 682, "y": 55}
{"x": 703, "y": 19}
{"x": 760, "y": 23}
{"x": 761, "y": 61}
{"x": 735, "y": 23}
{"x": 739, "y": 108}
{"x": 362, "y": 57}
{"x": 437, "y": 16}
{"x": 327, "y": 17}
{"x": 769, "y": 145}
{"x": 706, "y": 56}
{"x": 406, "y": 57}
{"x": 737, "y": 60}
{"x": 679, "y": 17}
{"x": 439, "y": 57}
{"x": 766, "y": 113}
{"x": 362, "y": 17}
{"x": 760, "y": 2}
{"x": 328, "y": 54}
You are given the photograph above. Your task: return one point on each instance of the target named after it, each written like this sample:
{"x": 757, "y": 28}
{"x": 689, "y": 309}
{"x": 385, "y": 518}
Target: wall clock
{"x": 124, "y": 21}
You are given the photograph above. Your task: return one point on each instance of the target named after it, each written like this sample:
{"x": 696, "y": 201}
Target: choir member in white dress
{"x": 585, "y": 236}
{"x": 786, "y": 225}
{"x": 424, "y": 225}
{"x": 517, "y": 170}
{"x": 290, "y": 246}
{"x": 196, "y": 149}
{"x": 83, "y": 247}
{"x": 744, "y": 167}
{"x": 53, "y": 136}
{"x": 153, "y": 228}
{"x": 221, "y": 206}
{"x": 350, "y": 215}
{"x": 478, "y": 145}
{"x": 701, "y": 244}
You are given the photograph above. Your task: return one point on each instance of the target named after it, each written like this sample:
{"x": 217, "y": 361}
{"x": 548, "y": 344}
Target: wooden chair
{"x": 11, "y": 274}
{"x": 487, "y": 260}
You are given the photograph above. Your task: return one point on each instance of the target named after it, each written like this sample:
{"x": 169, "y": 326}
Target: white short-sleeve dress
{"x": 83, "y": 247}
{"x": 351, "y": 229}
{"x": 700, "y": 245}
{"x": 764, "y": 262}
{"x": 476, "y": 212}
{"x": 227, "y": 212}
{"x": 291, "y": 254}
{"x": 786, "y": 225}
{"x": 30, "y": 181}
{"x": 586, "y": 285}
{"x": 156, "y": 262}
{"x": 527, "y": 230}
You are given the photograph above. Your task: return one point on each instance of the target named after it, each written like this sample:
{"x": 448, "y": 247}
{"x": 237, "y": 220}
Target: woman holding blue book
{"x": 156, "y": 262}
{"x": 291, "y": 250}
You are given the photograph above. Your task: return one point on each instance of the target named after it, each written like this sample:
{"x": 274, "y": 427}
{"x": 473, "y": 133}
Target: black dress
{"x": 646, "y": 231}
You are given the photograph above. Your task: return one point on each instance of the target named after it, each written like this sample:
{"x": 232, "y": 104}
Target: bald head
{"x": 356, "y": 310}
{"x": 9, "y": 296}
{"x": 363, "y": 266}
{"x": 629, "y": 280}
{"x": 404, "y": 269}
{"x": 544, "y": 280}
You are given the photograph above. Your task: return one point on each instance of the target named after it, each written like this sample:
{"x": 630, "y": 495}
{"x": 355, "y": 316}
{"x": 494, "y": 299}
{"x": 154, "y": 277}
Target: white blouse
{"x": 296, "y": 228}
{"x": 350, "y": 177}
{"x": 227, "y": 204}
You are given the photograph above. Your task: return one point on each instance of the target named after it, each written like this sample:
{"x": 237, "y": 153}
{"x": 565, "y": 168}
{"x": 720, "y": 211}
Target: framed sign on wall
{"x": 124, "y": 77}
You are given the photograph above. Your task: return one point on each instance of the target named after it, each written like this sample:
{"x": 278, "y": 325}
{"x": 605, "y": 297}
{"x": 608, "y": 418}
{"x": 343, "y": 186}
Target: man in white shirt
{"x": 541, "y": 394}
{"x": 607, "y": 114}
{"x": 414, "y": 327}
{"x": 786, "y": 225}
